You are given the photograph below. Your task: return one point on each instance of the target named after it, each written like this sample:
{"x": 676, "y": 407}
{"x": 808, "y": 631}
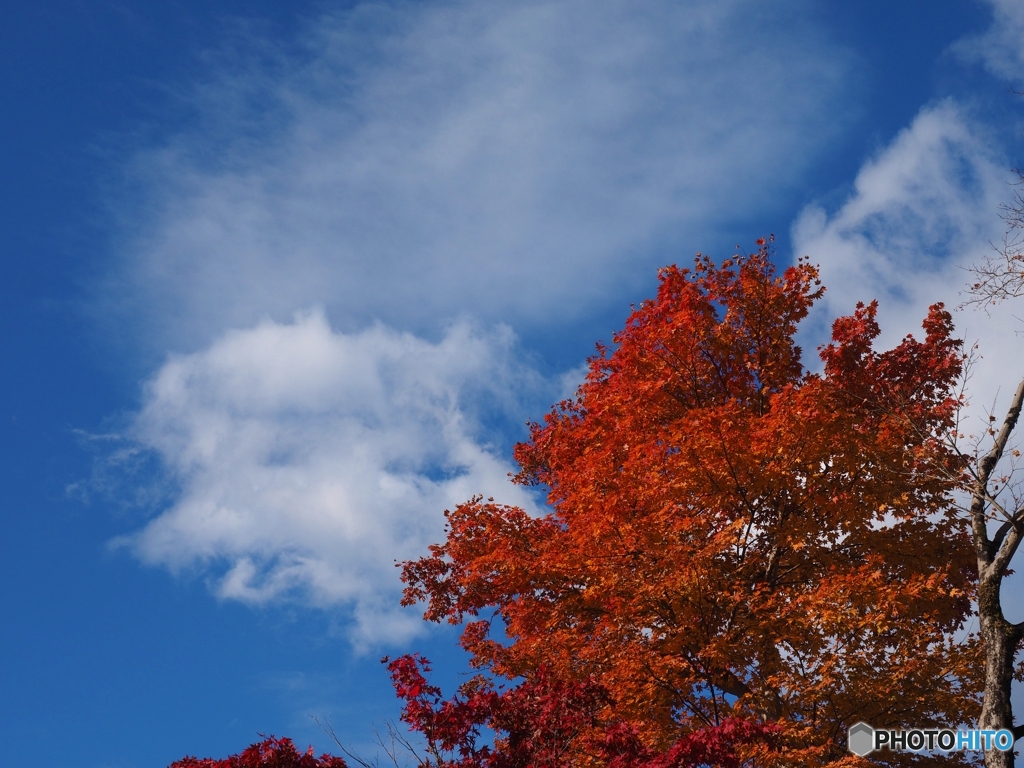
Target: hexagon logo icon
{"x": 860, "y": 739}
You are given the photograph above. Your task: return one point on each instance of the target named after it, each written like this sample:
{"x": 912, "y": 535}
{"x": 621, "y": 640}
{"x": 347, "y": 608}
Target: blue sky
{"x": 283, "y": 281}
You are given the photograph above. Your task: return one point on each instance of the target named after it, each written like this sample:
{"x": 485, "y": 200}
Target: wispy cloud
{"x": 1001, "y": 47}
{"x": 513, "y": 161}
{"x": 920, "y": 211}
{"x": 309, "y": 460}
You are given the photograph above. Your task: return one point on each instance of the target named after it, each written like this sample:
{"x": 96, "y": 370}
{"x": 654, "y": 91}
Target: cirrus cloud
{"x": 1001, "y": 47}
{"x": 921, "y": 210}
{"x": 519, "y": 162}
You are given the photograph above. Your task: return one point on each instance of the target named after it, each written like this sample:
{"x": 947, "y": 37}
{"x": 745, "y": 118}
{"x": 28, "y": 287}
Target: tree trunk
{"x": 995, "y": 554}
{"x": 1001, "y": 639}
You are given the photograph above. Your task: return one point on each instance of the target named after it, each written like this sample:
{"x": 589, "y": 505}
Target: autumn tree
{"x": 731, "y": 537}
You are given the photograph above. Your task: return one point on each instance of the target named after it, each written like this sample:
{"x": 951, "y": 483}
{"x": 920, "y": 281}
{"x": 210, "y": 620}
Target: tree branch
{"x": 1005, "y": 528}
{"x": 1006, "y": 553}
{"x": 980, "y": 496}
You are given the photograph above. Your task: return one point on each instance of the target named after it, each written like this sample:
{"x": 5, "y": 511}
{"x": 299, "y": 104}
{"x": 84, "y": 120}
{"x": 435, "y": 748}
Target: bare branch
{"x": 996, "y": 560}
{"x": 1005, "y": 528}
{"x": 395, "y": 745}
{"x": 999, "y": 445}
{"x": 1007, "y": 551}
{"x": 1001, "y": 276}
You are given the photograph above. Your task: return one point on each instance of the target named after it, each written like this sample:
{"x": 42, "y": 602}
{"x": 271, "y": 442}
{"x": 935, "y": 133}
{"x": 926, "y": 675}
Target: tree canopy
{"x": 731, "y": 535}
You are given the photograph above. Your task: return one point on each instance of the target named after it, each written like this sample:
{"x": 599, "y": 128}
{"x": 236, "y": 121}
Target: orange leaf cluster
{"x": 730, "y": 535}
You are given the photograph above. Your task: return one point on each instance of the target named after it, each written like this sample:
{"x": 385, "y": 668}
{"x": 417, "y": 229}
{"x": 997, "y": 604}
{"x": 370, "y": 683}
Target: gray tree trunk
{"x": 1001, "y": 640}
{"x": 1000, "y": 637}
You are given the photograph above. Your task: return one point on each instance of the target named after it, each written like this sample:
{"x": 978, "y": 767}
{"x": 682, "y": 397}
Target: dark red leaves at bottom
{"x": 544, "y": 721}
{"x": 269, "y": 753}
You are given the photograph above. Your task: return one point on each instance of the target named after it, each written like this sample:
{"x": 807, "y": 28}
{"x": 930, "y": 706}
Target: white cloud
{"x": 1001, "y": 47}
{"x": 925, "y": 207}
{"x": 309, "y": 460}
{"x": 514, "y": 161}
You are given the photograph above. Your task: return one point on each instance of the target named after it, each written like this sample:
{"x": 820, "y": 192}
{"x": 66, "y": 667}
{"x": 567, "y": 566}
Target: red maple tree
{"x": 730, "y": 536}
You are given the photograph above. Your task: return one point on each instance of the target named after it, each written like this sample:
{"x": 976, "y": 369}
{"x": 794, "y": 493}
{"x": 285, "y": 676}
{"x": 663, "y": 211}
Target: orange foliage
{"x": 730, "y": 535}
